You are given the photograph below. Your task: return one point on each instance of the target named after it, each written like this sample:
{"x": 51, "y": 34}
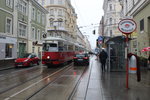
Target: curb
{"x": 1, "y": 69}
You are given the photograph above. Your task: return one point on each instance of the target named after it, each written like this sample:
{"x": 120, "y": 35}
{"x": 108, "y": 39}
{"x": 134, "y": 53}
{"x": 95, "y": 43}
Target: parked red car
{"x": 27, "y": 60}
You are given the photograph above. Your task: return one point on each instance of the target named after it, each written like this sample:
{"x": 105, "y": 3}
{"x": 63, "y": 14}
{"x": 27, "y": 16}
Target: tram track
{"x": 36, "y": 86}
{"x": 47, "y": 84}
{"x": 78, "y": 83}
{"x": 33, "y": 84}
{"x": 14, "y": 71}
{"x": 13, "y": 76}
{"x": 70, "y": 97}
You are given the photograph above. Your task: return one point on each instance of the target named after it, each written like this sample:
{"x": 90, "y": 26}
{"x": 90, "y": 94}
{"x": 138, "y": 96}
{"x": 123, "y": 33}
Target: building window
{"x": 110, "y": 32}
{"x": 60, "y": 12}
{"x": 43, "y": 2}
{"x": 110, "y": 7}
{"x": 23, "y": 7}
{"x": 33, "y": 13}
{"x": 22, "y": 30}
{"x": 9, "y": 3}
{"x": 8, "y": 50}
{"x": 33, "y": 33}
{"x": 8, "y": 25}
{"x": 59, "y": 1}
{"x": 43, "y": 19}
{"x": 142, "y": 25}
{"x": 51, "y": 22}
{"x": 60, "y": 22}
{"x": 51, "y": 1}
{"x": 110, "y": 21}
{"x": 39, "y": 16}
{"x": 38, "y": 35}
{"x": 51, "y": 12}
{"x": 134, "y": 44}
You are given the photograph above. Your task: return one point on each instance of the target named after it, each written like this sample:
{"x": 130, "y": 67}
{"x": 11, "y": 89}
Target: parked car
{"x": 27, "y": 60}
{"x": 81, "y": 58}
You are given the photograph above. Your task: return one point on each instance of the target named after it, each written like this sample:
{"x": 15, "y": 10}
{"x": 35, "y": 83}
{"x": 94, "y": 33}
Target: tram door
{"x": 117, "y": 58}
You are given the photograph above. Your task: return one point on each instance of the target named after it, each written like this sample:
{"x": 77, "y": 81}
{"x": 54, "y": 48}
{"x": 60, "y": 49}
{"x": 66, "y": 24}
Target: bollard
{"x": 133, "y": 65}
{"x": 137, "y": 69}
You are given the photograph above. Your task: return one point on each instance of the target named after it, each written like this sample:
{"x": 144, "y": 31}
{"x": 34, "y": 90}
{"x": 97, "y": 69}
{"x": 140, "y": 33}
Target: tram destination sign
{"x": 127, "y": 26}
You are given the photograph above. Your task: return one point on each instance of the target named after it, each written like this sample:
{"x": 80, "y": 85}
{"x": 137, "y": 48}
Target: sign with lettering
{"x": 127, "y": 26}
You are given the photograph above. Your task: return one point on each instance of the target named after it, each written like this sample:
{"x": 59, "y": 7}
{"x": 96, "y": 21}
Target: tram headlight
{"x": 48, "y": 57}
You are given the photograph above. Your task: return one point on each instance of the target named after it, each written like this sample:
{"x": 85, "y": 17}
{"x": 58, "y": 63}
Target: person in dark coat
{"x": 102, "y": 57}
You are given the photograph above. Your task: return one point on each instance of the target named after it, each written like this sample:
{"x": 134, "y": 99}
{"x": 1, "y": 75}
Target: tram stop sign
{"x": 127, "y": 26}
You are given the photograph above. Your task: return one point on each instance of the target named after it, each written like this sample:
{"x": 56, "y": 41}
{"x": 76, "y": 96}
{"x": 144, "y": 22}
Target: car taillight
{"x": 74, "y": 57}
{"x": 85, "y": 58}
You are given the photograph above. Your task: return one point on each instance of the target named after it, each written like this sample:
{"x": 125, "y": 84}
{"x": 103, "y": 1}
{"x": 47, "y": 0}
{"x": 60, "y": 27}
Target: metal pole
{"x": 109, "y": 58}
{"x": 127, "y": 67}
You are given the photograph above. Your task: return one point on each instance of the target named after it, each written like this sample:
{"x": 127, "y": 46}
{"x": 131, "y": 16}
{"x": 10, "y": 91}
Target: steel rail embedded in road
{"x": 34, "y": 84}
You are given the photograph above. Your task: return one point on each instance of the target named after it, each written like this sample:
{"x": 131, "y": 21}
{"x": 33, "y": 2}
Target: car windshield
{"x": 28, "y": 55}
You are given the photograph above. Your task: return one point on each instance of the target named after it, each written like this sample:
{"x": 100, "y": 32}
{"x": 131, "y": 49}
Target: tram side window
{"x": 60, "y": 46}
{"x": 76, "y": 48}
{"x": 70, "y": 47}
{"x": 65, "y": 47}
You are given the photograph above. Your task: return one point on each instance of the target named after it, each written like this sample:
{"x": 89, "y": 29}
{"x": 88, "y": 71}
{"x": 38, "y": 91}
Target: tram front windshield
{"x": 50, "y": 47}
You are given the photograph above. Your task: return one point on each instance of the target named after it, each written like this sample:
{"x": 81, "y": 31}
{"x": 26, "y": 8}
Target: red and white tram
{"x": 57, "y": 51}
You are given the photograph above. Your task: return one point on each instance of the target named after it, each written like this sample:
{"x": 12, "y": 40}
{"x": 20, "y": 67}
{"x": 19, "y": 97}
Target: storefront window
{"x": 8, "y": 50}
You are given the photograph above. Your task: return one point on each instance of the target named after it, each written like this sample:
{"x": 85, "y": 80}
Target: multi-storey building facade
{"x": 8, "y": 41}
{"x": 37, "y": 27}
{"x": 61, "y": 18}
{"x": 139, "y": 11}
{"x": 16, "y": 29}
{"x": 31, "y": 25}
{"x": 112, "y": 14}
{"x": 101, "y": 27}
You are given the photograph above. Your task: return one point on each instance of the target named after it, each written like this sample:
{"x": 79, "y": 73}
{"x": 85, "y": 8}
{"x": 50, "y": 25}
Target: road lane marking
{"x": 33, "y": 84}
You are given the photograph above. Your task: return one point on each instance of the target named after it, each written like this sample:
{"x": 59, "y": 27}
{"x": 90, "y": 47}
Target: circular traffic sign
{"x": 127, "y": 26}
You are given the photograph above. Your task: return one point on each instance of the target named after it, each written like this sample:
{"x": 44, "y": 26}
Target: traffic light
{"x": 94, "y": 32}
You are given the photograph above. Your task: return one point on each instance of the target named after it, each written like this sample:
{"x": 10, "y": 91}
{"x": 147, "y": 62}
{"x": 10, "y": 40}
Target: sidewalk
{"x": 96, "y": 85}
{"x": 6, "y": 64}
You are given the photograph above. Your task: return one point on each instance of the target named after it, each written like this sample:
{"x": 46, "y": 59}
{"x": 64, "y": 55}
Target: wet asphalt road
{"x": 71, "y": 83}
{"x": 39, "y": 83}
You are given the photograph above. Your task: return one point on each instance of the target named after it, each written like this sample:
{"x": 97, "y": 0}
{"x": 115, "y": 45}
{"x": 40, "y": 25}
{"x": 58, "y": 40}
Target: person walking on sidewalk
{"x": 102, "y": 57}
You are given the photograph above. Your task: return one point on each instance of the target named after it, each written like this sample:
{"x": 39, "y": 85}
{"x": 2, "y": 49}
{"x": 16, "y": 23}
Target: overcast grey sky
{"x": 89, "y": 13}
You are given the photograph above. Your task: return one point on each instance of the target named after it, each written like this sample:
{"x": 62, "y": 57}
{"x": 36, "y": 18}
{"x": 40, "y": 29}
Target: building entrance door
{"x": 22, "y": 48}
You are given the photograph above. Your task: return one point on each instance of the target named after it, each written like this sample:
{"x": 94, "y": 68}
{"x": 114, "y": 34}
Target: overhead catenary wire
{"x": 78, "y": 10}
